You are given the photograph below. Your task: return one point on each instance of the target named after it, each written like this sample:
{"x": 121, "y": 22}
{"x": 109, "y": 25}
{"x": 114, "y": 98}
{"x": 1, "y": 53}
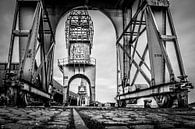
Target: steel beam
{"x": 10, "y": 54}
{"x": 136, "y": 65}
{"x": 176, "y": 45}
{"x": 28, "y": 56}
{"x": 148, "y": 92}
{"x": 140, "y": 64}
{"x": 33, "y": 90}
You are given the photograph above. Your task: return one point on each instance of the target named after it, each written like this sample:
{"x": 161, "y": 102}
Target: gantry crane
{"x": 144, "y": 30}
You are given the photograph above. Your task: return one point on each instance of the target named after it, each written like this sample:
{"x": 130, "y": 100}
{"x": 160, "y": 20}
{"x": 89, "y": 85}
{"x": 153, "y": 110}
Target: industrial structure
{"x": 58, "y": 95}
{"x": 151, "y": 21}
{"x": 57, "y": 91}
{"x": 4, "y": 85}
{"x": 79, "y": 41}
{"x": 83, "y": 98}
{"x": 144, "y": 30}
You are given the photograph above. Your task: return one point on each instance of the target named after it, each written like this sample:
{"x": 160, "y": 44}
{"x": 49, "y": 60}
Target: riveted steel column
{"x": 155, "y": 52}
{"x": 28, "y": 20}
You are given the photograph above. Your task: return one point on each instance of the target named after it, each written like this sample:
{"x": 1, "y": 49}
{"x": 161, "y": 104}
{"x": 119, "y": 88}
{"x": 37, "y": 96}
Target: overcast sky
{"x": 104, "y": 48}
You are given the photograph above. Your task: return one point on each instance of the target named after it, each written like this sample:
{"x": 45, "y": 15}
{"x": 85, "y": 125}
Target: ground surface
{"x": 96, "y": 118}
{"x": 143, "y": 118}
{"x": 28, "y": 118}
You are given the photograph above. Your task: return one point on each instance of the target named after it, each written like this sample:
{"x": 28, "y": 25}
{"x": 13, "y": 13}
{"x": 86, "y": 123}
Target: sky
{"x": 104, "y": 46}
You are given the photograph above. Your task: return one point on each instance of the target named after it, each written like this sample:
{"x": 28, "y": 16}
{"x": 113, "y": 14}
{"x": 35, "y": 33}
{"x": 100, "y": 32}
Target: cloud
{"x": 105, "y": 94}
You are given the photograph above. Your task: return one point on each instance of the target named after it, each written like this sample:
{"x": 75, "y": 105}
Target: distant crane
{"x": 79, "y": 40}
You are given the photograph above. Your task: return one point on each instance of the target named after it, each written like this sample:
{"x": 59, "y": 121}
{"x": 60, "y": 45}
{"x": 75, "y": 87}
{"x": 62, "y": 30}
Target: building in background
{"x": 83, "y": 98}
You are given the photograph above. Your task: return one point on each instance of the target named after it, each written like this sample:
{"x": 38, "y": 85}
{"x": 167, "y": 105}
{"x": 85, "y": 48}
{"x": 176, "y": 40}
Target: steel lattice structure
{"x": 152, "y": 21}
{"x": 144, "y": 30}
{"x": 36, "y": 46}
{"x": 79, "y": 27}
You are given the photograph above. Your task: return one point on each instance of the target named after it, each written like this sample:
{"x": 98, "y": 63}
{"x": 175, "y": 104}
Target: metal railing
{"x": 65, "y": 61}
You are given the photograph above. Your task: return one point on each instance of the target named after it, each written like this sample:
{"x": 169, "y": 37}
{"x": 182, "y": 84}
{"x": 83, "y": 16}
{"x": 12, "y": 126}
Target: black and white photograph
{"x": 97, "y": 64}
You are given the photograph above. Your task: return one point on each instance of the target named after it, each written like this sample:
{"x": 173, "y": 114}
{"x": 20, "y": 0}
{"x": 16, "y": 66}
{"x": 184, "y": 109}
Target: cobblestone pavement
{"x": 34, "y": 118}
{"x": 142, "y": 118}
{"x": 96, "y": 118}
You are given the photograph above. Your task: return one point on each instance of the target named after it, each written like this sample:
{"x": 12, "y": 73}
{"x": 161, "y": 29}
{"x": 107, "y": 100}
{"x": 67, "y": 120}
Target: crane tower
{"x": 79, "y": 41}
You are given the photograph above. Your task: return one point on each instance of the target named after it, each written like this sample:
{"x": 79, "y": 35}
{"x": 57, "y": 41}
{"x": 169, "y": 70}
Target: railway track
{"x": 95, "y": 118}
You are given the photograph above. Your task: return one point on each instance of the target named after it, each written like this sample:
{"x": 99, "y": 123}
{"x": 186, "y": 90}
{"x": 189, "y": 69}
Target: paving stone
{"x": 114, "y": 123}
{"x": 29, "y": 122}
{"x": 9, "y": 115}
{"x": 140, "y": 122}
{"x": 56, "y": 127}
{"x": 35, "y": 113}
{"x": 64, "y": 113}
{"x": 3, "y": 110}
{"x": 121, "y": 119}
{"x": 16, "y": 126}
{"x": 57, "y": 123}
{"x": 102, "y": 120}
{"x": 43, "y": 118}
{"x": 143, "y": 127}
{"x": 98, "y": 117}
{"x": 116, "y": 127}
{"x": 190, "y": 124}
{"x": 166, "y": 126}
{"x": 18, "y": 118}
{"x": 2, "y": 120}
